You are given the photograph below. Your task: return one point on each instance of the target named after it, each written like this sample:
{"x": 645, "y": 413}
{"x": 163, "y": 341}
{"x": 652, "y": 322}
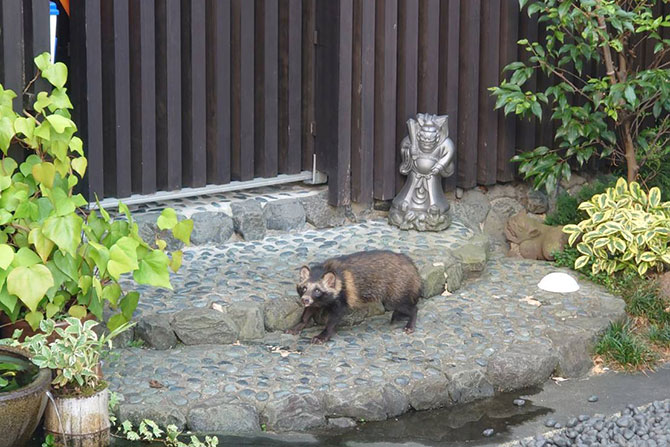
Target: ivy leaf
{"x": 65, "y": 231}
{"x": 76, "y": 145}
{"x": 153, "y": 270}
{"x": 43, "y": 61}
{"x": 129, "y": 304}
{"x": 68, "y": 265}
{"x": 30, "y": 284}
{"x": 175, "y": 263}
{"x": 100, "y": 255}
{"x": 56, "y": 74}
{"x": 115, "y": 322}
{"x": 111, "y": 293}
{"x": 167, "y": 220}
{"x": 79, "y": 165}
{"x": 6, "y": 133}
{"x": 122, "y": 257}
{"x": 52, "y": 309}
{"x": 25, "y": 126}
{"x": 44, "y": 173}
{"x": 182, "y": 231}
{"x": 6, "y": 256}
{"x": 34, "y": 319}
{"x": 59, "y": 123}
{"x": 9, "y": 301}
{"x": 25, "y": 257}
{"x": 43, "y": 246}
{"x": 77, "y": 311}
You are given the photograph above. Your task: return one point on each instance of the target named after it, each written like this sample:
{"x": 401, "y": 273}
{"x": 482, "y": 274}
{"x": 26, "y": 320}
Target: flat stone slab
{"x": 468, "y": 345}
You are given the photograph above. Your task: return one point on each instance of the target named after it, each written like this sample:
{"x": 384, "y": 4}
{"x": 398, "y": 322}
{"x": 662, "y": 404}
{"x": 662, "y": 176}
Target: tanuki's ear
{"x": 534, "y": 233}
{"x": 329, "y": 279}
{"x": 304, "y": 273}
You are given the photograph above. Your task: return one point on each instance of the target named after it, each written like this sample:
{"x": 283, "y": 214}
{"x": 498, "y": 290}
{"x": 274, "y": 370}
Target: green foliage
{"x": 659, "y": 334}
{"x": 56, "y": 258}
{"x": 627, "y": 229}
{"x": 643, "y": 300}
{"x": 621, "y": 345}
{"x": 8, "y": 375}
{"x": 621, "y": 114}
{"x": 74, "y": 355}
{"x": 149, "y": 431}
{"x": 567, "y": 206}
{"x": 49, "y": 441}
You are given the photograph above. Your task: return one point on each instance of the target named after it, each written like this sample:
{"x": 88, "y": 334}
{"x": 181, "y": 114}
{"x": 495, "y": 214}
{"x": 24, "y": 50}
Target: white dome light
{"x": 558, "y": 282}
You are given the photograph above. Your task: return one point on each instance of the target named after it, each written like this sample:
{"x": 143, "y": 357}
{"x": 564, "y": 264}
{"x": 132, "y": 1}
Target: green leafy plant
{"x": 621, "y": 115}
{"x": 149, "y": 431}
{"x": 620, "y": 344}
{"x": 660, "y": 334}
{"x": 567, "y": 206}
{"x": 627, "y": 229}
{"x": 74, "y": 355}
{"x": 56, "y": 257}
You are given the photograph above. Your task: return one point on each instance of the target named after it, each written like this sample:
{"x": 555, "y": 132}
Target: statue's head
{"x": 431, "y": 129}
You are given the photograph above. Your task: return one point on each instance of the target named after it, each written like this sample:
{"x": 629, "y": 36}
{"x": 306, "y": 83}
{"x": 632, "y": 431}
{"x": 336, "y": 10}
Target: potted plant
{"x": 23, "y": 396}
{"x": 79, "y": 412}
{"x": 59, "y": 259}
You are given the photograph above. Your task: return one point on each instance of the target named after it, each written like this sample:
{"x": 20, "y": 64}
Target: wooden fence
{"x": 171, "y": 94}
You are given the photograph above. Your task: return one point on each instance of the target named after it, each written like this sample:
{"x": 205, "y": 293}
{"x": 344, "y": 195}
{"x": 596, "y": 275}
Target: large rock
{"x": 521, "y": 365}
{"x": 282, "y": 313}
{"x": 432, "y": 275}
{"x": 204, "y": 326}
{"x": 320, "y": 214}
{"x": 216, "y": 416}
{"x": 295, "y": 412}
{"x": 498, "y": 191}
{"x": 536, "y": 201}
{"x": 248, "y": 219}
{"x": 249, "y": 318}
{"x": 430, "y": 392}
{"x": 506, "y": 207}
{"x": 467, "y": 384}
{"x": 284, "y": 215}
{"x": 163, "y": 414}
{"x": 156, "y": 332}
{"x": 472, "y": 208}
{"x": 367, "y": 403}
{"x": 211, "y": 228}
{"x": 574, "y": 349}
{"x": 473, "y": 258}
{"x": 454, "y": 276}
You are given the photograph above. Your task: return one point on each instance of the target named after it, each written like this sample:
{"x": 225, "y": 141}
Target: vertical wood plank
{"x": 218, "y": 86}
{"x": 386, "y": 45}
{"x": 450, "y": 11}
{"x": 267, "y": 89}
{"x": 242, "y": 157}
{"x": 143, "y": 95}
{"x": 86, "y": 85}
{"x": 168, "y": 94}
{"x": 509, "y": 32}
{"x": 36, "y": 35}
{"x": 429, "y": 39}
{"x": 356, "y": 93}
{"x": 362, "y": 154}
{"x": 468, "y": 93}
{"x": 290, "y": 79}
{"x": 487, "y": 149}
{"x": 308, "y": 81}
{"x": 525, "y": 137}
{"x": 12, "y": 35}
{"x": 194, "y": 93}
{"x": 409, "y": 84}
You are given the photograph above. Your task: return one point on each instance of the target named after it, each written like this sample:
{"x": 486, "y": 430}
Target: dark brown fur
{"x": 352, "y": 281}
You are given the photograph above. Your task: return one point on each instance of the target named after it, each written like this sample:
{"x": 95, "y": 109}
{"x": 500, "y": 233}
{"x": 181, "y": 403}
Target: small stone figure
{"x": 535, "y": 240}
{"x": 427, "y": 156}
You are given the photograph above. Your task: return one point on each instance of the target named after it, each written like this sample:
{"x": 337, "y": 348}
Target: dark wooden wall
{"x": 182, "y": 93}
{"x": 380, "y": 63}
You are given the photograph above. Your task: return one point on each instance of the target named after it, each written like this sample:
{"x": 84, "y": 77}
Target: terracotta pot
{"x": 21, "y": 410}
{"x": 7, "y": 328}
{"x": 83, "y": 422}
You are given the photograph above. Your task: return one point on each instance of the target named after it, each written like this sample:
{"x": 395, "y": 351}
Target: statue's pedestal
{"x": 419, "y": 220}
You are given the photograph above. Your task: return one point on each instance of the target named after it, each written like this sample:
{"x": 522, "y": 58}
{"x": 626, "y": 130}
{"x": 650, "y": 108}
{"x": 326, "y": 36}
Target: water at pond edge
{"x": 17, "y": 370}
{"x": 457, "y": 425}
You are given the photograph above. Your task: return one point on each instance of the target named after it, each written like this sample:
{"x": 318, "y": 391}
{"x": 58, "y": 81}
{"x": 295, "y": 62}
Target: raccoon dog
{"x": 351, "y": 281}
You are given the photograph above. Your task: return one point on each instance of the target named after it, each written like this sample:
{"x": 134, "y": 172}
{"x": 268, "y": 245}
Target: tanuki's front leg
{"x": 304, "y": 321}
{"x": 334, "y": 317}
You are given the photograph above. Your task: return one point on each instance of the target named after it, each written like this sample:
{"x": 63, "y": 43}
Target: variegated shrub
{"x": 627, "y": 228}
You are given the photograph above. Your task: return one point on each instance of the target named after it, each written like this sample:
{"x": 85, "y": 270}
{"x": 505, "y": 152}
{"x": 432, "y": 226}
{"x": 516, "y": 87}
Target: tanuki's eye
{"x": 301, "y": 290}
{"x": 317, "y": 292}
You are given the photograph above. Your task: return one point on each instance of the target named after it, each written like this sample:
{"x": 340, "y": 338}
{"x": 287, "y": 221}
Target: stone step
{"x": 240, "y": 291}
{"x": 497, "y": 333}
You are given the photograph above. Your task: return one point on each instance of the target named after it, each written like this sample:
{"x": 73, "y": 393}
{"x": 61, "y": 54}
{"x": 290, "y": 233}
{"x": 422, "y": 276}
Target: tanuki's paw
{"x": 409, "y": 330}
{"x": 318, "y": 340}
{"x": 292, "y": 331}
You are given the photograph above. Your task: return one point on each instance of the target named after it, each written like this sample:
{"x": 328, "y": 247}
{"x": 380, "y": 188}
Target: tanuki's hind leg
{"x": 397, "y": 315}
{"x": 411, "y": 324}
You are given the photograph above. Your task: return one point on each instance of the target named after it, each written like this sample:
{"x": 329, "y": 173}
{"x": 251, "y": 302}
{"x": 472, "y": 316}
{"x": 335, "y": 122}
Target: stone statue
{"x": 535, "y": 240}
{"x": 427, "y": 156}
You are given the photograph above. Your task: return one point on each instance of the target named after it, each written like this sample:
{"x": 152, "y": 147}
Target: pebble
{"x": 593, "y": 398}
{"x": 519, "y": 402}
{"x": 488, "y": 432}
